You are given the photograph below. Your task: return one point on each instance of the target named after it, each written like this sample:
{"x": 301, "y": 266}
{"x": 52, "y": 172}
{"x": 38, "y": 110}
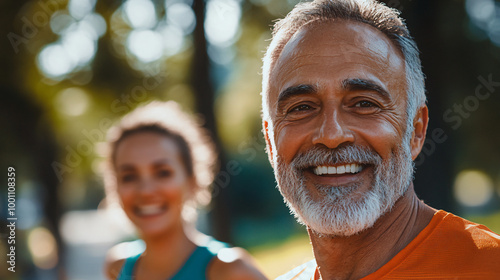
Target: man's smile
{"x": 338, "y": 175}
{"x": 338, "y": 169}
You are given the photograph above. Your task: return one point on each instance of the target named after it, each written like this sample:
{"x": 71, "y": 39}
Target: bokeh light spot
{"x": 80, "y": 8}
{"x": 42, "y": 246}
{"x": 54, "y": 61}
{"x": 222, "y": 21}
{"x": 79, "y": 46}
{"x": 72, "y": 101}
{"x": 480, "y": 10}
{"x": 172, "y": 39}
{"x": 227, "y": 255}
{"x": 146, "y": 45}
{"x": 59, "y": 21}
{"x": 140, "y": 13}
{"x": 494, "y": 31}
{"x": 95, "y": 24}
{"x": 182, "y": 16}
{"x": 473, "y": 188}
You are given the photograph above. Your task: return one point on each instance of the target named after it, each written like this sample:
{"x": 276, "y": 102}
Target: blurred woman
{"x": 161, "y": 163}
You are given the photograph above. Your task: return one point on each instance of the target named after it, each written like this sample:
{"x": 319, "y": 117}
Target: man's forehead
{"x": 341, "y": 43}
{"x": 339, "y": 38}
{"x": 339, "y": 32}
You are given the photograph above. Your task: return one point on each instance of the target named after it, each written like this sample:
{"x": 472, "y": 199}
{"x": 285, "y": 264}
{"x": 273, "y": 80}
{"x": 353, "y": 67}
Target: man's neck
{"x": 359, "y": 255}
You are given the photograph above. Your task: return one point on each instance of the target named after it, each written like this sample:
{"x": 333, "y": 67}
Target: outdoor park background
{"x": 71, "y": 67}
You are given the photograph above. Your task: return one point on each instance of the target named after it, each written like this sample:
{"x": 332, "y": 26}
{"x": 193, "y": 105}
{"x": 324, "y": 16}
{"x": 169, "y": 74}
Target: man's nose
{"x": 332, "y": 131}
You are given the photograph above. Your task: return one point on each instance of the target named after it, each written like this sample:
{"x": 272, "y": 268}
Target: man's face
{"x": 338, "y": 138}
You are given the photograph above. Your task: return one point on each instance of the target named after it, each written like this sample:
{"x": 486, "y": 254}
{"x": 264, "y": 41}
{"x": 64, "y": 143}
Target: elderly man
{"x": 344, "y": 117}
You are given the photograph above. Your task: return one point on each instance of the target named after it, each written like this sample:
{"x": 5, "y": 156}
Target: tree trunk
{"x": 204, "y": 94}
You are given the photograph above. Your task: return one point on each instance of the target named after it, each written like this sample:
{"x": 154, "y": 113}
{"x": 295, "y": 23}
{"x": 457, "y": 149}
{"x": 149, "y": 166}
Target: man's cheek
{"x": 289, "y": 142}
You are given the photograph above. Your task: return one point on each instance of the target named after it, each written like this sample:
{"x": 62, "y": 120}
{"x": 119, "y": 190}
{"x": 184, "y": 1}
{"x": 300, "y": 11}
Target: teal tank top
{"x": 194, "y": 268}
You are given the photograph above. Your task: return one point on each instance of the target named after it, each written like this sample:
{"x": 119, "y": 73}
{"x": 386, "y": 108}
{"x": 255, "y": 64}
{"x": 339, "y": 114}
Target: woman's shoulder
{"x": 112, "y": 268}
{"x": 113, "y": 263}
{"x": 117, "y": 256}
{"x": 234, "y": 263}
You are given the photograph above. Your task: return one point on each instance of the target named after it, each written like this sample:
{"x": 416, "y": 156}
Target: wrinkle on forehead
{"x": 346, "y": 43}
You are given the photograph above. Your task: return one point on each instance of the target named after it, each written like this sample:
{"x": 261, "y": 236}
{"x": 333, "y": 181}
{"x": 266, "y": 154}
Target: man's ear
{"x": 420, "y": 123}
{"x": 269, "y": 147}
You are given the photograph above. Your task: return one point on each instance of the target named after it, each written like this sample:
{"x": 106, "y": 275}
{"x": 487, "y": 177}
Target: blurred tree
{"x": 28, "y": 142}
{"x": 204, "y": 95}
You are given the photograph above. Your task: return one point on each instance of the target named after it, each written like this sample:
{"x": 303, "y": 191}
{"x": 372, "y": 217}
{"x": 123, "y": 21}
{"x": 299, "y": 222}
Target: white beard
{"x": 344, "y": 210}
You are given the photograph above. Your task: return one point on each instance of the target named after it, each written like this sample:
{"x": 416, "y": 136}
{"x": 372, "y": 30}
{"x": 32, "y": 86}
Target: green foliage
{"x": 492, "y": 221}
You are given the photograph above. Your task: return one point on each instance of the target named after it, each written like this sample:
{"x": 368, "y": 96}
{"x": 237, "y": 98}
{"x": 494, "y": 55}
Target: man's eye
{"x": 365, "y": 104}
{"x": 302, "y": 107}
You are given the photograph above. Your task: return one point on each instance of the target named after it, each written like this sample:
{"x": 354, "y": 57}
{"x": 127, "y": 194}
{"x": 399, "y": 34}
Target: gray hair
{"x": 371, "y": 12}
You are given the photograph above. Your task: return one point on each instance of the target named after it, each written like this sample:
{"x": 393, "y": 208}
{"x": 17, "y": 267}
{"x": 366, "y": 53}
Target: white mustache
{"x": 317, "y": 156}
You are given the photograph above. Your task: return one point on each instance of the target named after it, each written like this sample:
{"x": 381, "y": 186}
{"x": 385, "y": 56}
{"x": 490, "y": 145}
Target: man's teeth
{"x": 150, "y": 209}
{"x": 341, "y": 169}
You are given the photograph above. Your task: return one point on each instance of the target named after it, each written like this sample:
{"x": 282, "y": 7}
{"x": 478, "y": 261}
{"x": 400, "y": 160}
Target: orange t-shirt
{"x": 449, "y": 247}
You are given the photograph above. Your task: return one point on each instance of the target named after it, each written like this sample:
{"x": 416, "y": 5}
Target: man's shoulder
{"x": 453, "y": 247}
{"x": 457, "y": 229}
{"x": 449, "y": 247}
{"x": 303, "y": 272}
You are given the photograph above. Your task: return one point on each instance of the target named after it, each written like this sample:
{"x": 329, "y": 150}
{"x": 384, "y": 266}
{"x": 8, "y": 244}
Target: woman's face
{"x": 152, "y": 182}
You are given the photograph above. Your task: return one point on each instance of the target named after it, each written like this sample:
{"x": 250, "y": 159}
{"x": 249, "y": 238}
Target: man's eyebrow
{"x": 294, "y": 91}
{"x": 363, "y": 84}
